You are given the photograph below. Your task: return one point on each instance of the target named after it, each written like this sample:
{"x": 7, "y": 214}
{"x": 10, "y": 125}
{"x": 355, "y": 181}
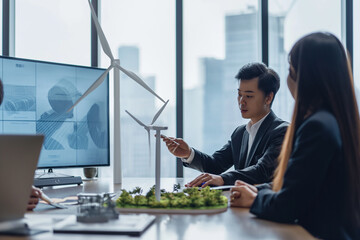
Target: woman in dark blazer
{"x": 317, "y": 182}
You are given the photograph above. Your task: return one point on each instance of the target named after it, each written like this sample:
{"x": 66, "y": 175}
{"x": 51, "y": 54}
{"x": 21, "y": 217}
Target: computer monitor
{"x": 37, "y": 96}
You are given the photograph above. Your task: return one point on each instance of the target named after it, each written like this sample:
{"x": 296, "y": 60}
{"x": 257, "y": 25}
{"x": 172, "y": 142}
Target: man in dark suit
{"x": 253, "y": 148}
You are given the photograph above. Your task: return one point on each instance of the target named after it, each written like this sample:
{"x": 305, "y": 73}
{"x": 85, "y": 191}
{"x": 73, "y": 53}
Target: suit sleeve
{"x": 263, "y": 170}
{"x": 313, "y": 150}
{"x": 217, "y": 163}
{"x": 264, "y": 186}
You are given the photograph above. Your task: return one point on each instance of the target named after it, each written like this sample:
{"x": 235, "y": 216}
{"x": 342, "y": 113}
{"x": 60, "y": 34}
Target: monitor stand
{"x": 53, "y": 179}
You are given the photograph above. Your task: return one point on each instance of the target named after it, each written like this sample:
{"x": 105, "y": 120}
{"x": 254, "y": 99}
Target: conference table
{"x": 234, "y": 223}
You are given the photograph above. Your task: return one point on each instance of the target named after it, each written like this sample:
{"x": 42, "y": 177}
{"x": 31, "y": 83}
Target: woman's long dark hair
{"x": 324, "y": 80}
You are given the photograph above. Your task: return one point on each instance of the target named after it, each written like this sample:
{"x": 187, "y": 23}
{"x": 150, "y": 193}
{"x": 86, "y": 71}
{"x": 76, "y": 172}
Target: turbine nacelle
{"x": 156, "y": 116}
{"x": 153, "y": 127}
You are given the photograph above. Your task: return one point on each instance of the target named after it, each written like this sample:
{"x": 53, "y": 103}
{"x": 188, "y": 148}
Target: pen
{"x": 46, "y": 199}
{"x": 177, "y": 144}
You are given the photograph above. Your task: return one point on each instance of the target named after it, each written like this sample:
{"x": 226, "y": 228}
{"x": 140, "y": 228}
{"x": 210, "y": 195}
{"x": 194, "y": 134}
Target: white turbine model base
{"x": 157, "y": 158}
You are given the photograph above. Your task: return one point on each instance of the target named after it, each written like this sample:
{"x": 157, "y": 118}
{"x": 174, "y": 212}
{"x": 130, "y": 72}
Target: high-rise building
{"x": 194, "y": 119}
{"x": 213, "y": 75}
{"x": 129, "y": 57}
{"x": 282, "y": 105}
{"x": 241, "y": 47}
{"x": 193, "y": 123}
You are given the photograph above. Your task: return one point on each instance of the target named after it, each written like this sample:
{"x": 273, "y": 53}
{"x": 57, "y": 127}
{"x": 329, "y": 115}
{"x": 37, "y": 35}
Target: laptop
{"x": 19, "y": 155}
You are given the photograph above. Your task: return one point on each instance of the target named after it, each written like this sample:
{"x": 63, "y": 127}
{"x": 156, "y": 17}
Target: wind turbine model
{"x": 115, "y": 64}
{"x": 157, "y": 153}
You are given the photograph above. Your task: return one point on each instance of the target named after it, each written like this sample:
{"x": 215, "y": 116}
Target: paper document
{"x": 133, "y": 225}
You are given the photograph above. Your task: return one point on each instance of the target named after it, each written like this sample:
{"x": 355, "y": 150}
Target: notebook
{"x": 19, "y": 156}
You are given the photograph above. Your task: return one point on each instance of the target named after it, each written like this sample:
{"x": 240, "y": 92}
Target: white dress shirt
{"x": 252, "y": 129}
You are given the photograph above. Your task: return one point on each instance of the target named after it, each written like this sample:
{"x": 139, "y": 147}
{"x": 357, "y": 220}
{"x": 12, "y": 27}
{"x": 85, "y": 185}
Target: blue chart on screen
{"x": 37, "y": 96}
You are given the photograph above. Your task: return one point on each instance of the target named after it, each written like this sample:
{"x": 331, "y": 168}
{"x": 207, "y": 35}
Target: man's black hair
{"x": 269, "y": 80}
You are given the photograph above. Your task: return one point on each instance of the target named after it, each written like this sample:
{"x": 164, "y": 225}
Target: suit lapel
{"x": 243, "y": 149}
{"x": 259, "y": 136}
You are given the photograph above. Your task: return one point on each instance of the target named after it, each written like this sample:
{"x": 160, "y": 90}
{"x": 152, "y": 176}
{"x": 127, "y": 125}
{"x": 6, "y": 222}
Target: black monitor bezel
{"x": 108, "y": 107}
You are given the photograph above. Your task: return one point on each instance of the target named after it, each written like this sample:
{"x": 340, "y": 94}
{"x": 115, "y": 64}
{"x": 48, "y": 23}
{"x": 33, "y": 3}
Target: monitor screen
{"x": 37, "y": 96}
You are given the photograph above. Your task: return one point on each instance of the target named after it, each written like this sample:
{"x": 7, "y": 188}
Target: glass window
{"x": 57, "y": 30}
{"x": 219, "y": 38}
{"x": 289, "y": 21}
{"x": 142, "y": 35}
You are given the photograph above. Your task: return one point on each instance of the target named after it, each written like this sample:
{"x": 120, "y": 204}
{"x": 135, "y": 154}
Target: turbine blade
{"x": 159, "y": 112}
{"x": 92, "y": 87}
{"x": 104, "y": 43}
{"x": 138, "y": 80}
{"x": 137, "y": 120}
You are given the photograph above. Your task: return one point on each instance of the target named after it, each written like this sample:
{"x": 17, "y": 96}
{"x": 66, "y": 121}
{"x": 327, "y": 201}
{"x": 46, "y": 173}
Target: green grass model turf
{"x": 190, "y": 198}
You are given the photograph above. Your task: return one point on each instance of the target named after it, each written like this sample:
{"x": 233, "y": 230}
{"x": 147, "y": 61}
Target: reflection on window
{"x": 286, "y": 25}
{"x": 216, "y": 46}
{"x": 144, "y": 41}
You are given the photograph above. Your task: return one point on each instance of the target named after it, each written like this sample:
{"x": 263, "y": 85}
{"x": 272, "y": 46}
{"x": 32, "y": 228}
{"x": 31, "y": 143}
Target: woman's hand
{"x": 242, "y": 196}
{"x": 241, "y": 183}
